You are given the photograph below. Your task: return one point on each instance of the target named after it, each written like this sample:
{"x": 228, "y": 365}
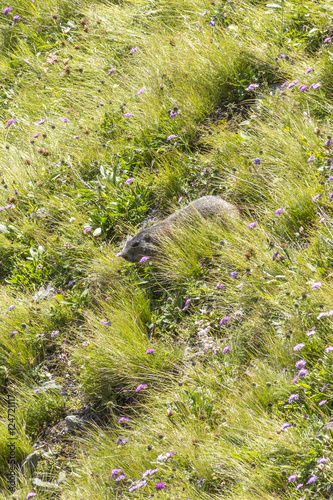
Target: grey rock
{"x": 46, "y": 485}
{"x": 51, "y": 384}
{"x": 44, "y": 292}
{"x": 146, "y": 242}
{"x": 31, "y": 461}
{"x": 74, "y": 422}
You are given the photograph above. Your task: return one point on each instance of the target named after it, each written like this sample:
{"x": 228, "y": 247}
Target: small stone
{"x": 74, "y": 422}
{"x": 31, "y": 461}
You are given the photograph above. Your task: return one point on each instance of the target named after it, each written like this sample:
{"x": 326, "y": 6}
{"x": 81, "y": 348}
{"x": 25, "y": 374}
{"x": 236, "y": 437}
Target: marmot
{"x": 145, "y": 243}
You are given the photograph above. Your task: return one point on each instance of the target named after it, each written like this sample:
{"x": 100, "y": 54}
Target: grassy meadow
{"x": 206, "y": 373}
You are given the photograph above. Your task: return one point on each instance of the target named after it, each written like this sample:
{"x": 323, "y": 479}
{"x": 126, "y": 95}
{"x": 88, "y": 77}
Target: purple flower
{"x": 161, "y": 486}
{"x": 180, "y": 199}
{"x": 36, "y": 135}
{"x": 141, "y": 91}
{"x": 321, "y": 403}
{"x": 292, "y": 478}
{"x": 106, "y": 323}
{"x": 293, "y": 397}
{"x": 128, "y": 115}
{"x": 141, "y": 386}
{"x": 77, "y": 136}
{"x": 62, "y": 393}
{"x": 5, "y": 12}
{"x": 65, "y": 120}
{"x": 292, "y": 84}
{"x": 225, "y": 320}
{"x": 150, "y": 351}
{"x": 322, "y": 219}
{"x": 284, "y": 85}
{"x": 300, "y": 364}
{"x": 123, "y": 420}
{"x": 87, "y": 229}
{"x": 129, "y": 181}
{"x": 329, "y": 349}
{"x": 303, "y": 373}
{"x": 11, "y": 121}
{"x": 13, "y": 333}
{"x": 143, "y": 482}
{"x": 331, "y": 196}
{"x": 172, "y": 136}
{"x": 299, "y": 486}
{"x": 298, "y": 347}
{"x": 302, "y": 87}
{"x": 120, "y": 478}
{"x": 315, "y": 86}
{"x": 316, "y": 285}
{"x": 324, "y": 387}
{"x": 186, "y": 304}
{"x": 53, "y": 334}
{"x": 321, "y": 315}
{"x": 312, "y": 479}
{"x": 115, "y": 472}
{"x": 252, "y": 87}
{"x": 312, "y": 158}
{"x": 33, "y": 494}
{"x": 226, "y": 349}
{"x": 294, "y": 380}
{"x": 135, "y": 49}
{"x": 121, "y": 440}
{"x": 275, "y": 255}
{"x": 285, "y": 426}
{"x": 37, "y": 390}
{"x": 41, "y": 122}
{"x": 11, "y": 307}
{"x": 252, "y": 225}
{"x": 212, "y": 22}
{"x": 144, "y": 259}
{"x": 16, "y": 19}
{"x": 321, "y": 460}
{"x": 112, "y": 70}
{"x": 70, "y": 283}
{"x": 327, "y": 39}
{"x": 220, "y": 286}
{"x": 279, "y": 211}
{"x": 317, "y": 195}
{"x": 281, "y": 56}
{"x": 234, "y": 274}
{"x": 308, "y": 71}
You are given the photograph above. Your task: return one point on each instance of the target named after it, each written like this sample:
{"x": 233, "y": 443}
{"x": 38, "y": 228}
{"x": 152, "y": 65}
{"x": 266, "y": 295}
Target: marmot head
{"x": 141, "y": 245}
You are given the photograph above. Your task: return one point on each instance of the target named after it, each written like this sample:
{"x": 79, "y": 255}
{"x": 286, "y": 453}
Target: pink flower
{"x": 252, "y": 225}
{"x": 144, "y": 259}
{"x": 285, "y": 426}
{"x": 329, "y": 349}
{"x": 112, "y": 70}
{"x": 30, "y": 495}
{"x": 140, "y": 387}
{"x": 292, "y": 478}
{"x": 141, "y": 91}
{"x": 87, "y": 229}
{"x": 122, "y": 420}
{"x": 298, "y": 347}
{"x": 226, "y": 349}
{"x": 321, "y": 403}
{"x": 150, "y": 351}
{"x": 316, "y": 285}
{"x": 225, "y": 320}
{"x": 279, "y": 211}
{"x": 128, "y": 115}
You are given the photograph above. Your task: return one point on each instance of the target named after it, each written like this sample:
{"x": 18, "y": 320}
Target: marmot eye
{"x": 135, "y": 244}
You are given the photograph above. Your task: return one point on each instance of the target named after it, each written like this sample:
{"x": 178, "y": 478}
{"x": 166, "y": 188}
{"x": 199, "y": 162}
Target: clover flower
{"x": 121, "y": 440}
{"x": 300, "y": 364}
{"x": 308, "y": 71}
{"x": 299, "y": 486}
{"x": 329, "y": 349}
{"x": 293, "y": 397}
{"x": 150, "y": 351}
{"x": 128, "y": 115}
{"x": 298, "y": 347}
{"x": 315, "y": 86}
{"x": 87, "y": 229}
{"x": 252, "y": 86}
{"x": 225, "y": 320}
{"x": 284, "y": 85}
{"x": 327, "y": 39}
{"x": 160, "y": 486}
{"x": 312, "y": 158}
{"x": 65, "y": 120}
{"x": 303, "y": 373}
{"x": 234, "y": 274}
{"x": 292, "y": 478}
{"x": 135, "y": 49}
{"x": 11, "y": 307}
{"x": 54, "y": 333}
{"x": 252, "y": 225}
{"x": 120, "y": 478}
{"x": 180, "y": 199}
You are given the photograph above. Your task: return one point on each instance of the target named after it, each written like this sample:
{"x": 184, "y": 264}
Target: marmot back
{"x": 145, "y": 243}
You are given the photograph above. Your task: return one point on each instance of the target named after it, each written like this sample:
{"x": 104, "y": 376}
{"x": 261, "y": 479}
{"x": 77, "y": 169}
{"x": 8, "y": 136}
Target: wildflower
{"x": 71, "y": 282}
{"x": 37, "y": 390}
{"x": 324, "y": 387}
{"x": 180, "y": 199}
{"x": 141, "y": 386}
{"x": 284, "y": 85}
{"x": 285, "y": 426}
{"x": 300, "y": 364}
{"x": 62, "y": 393}
{"x": 252, "y": 225}
{"x": 252, "y": 87}
{"x": 225, "y": 320}
{"x": 212, "y": 22}
{"x": 135, "y": 49}
{"x": 33, "y": 494}
{"x": 11, "y": 121}
{"x": 302, "y": 87}
{"x": 13, "y": 333}
{"x": 321, "y": 315}
{"x": 321, "y": 403}
{"x": 204, "y": 13}
{"x": 281, "y": 56}
{"x": 275, "y": 255}
{"x": 226, "y": 349}
{"x": 234, "y": 274}
{"x": 316, "y": 285}
{"x": 312, "y": 479}
{"x": 299, "y": 486}
{"x": 292, "y": 478}
{"x": 321, "y": 460}
{"x": 129, "y": 181}
{"x": 36, "y": 135}
{"x": 123, "y": 420}
{"x": 112, "y": 70}
{"x": 65, "y": 120}
{"x": 329, "y": 349}
{"x": 312, "y": 158}
{"x": 279, "y": 211}
{"x": 149, "y": 472}
{"x": 308, "y": 71}
{"x": 144, "y": 259}
{"x": 87, "y": 229}
{"x": 298, "y": 347}
{"x": 292, "y": 84}
{"x": 322, "y": 219}
{"x": 331, "y": 196}
{"x": 315, "y": 86}
{"x": 294, "y": 380}
{"x": 128, "y": 115}
{"x": 186, "y": 304}
{"x": 53, "y": 334}
{"x": 328, "y": 143}
{"x": 220, "y": 286}
{"x": 120, "y": 478}
{"x": 115, "y": 472}
{"x": 172, "y": 136}
{"x": 5, "y": 12}
{"x": 121, "y": 440}
{"x": 317, "y": 195}
{"x": 106, "y": 323}
{"x": 141, "y": 483}
{"x": 327, "y": 40}
{"x": 77, "y": 136}
{"x": 16, "y": 19}
{"x": 72, "y": 219}
{"x": 11, "y": 307}
{"x": 161, "y": 486}
{"x": 303, "y": 373}
{"x": 293, "y": 397}
{"x": 150, "y": 351}
{"x": 141, "y": 91}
